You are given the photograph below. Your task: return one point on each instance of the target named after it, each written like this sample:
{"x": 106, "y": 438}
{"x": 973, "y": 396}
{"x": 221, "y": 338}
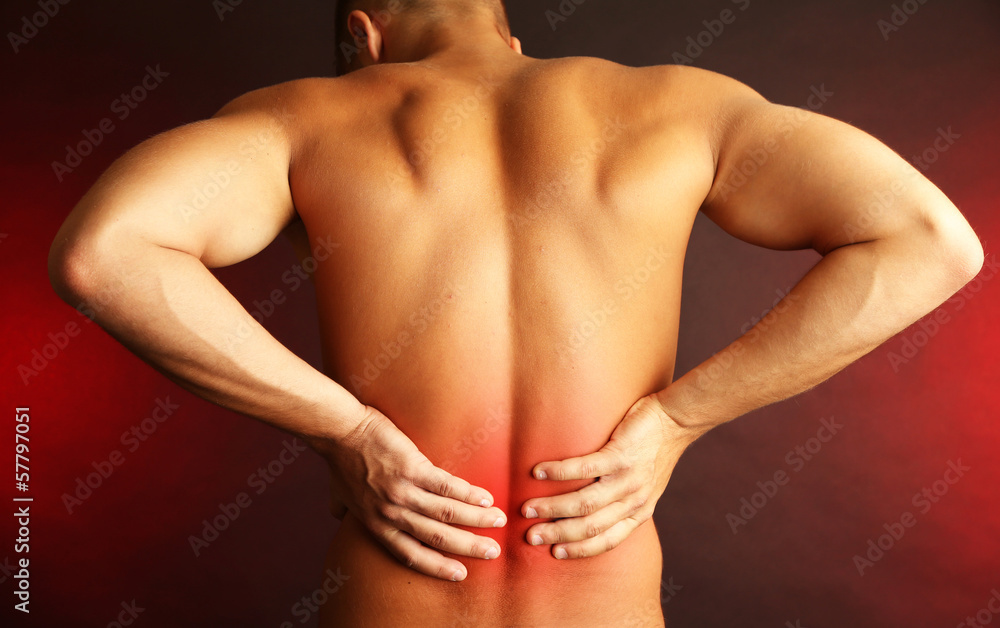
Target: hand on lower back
{"x": 380, "y": 477}
{"x": 630, "y": 473}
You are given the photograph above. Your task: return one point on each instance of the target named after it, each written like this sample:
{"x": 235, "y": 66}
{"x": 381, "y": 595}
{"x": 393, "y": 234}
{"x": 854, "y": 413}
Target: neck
{"x": 469, "y": 40}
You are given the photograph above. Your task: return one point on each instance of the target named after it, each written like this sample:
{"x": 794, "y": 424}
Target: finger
{"x": 604, "y": 462}
{"x": 442, "y": 483}
{"x": 454, "y": 512}
{"x": 582, "y": 528}
{"x": 411, "y": 553}
{"x": 600, "y": 544}
{"x": 579, "y": 503}
{"x": 447, "y": 538}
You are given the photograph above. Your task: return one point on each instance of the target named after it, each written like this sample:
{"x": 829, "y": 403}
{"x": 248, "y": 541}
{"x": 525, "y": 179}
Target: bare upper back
{"x": 520, "y": 131}
{"x": 542, "y": 184}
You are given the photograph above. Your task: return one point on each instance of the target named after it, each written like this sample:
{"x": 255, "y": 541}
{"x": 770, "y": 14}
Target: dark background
{"x": 793, "y": 561}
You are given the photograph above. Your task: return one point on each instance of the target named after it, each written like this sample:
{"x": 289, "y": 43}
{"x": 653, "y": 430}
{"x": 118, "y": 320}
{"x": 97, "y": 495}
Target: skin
{"x": 499, "y": 243}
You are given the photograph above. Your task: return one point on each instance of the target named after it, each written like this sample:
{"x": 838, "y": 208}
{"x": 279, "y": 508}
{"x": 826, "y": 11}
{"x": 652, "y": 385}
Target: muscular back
{"x": 507, "y": 273}
{"x": 499, "y": 250}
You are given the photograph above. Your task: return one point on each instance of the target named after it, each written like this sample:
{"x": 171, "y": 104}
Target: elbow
{"x": 966, "y": 256}
{"x": 969, "y": 260}
{"x": 959, "y": 250}
{"x": 67, "y": 269}
{"x": 74, "y": 266}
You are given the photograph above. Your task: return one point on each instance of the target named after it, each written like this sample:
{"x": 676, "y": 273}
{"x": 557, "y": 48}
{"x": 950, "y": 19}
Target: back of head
{"x": 427, "y": 12}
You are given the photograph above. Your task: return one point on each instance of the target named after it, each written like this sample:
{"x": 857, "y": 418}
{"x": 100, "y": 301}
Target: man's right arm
{"x": 135, "y": 253}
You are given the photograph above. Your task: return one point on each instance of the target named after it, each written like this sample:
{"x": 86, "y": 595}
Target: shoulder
{"x": 693, "y": 88}
{"x": 281, "y": 102}
{"x": 674, "y": 91}
{"x": 292, "y": 108}
{"x": 711, "y": 106}
{"x": 656, "y": 78}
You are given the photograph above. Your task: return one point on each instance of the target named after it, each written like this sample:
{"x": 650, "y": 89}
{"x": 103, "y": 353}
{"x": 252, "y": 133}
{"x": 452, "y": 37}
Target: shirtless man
{"x": 502, "y": 292}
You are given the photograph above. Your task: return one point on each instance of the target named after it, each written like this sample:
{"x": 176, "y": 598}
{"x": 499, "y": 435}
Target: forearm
{"x": 853, "y": 300}
{"x": 167, "y": 308}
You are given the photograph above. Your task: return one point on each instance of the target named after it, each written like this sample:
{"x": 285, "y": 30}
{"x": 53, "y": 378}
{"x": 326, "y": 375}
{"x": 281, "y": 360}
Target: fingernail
{"x": 492, "y": 553}
{"x": 536, "y": 540}
{"x": 541, "y": 475}
{"x": 458, "y": 576}
{"x": 530, "y": 513}
{"x": 561, "y": 553}
{"x": 500, "y": 522}
{"x": 485, "y": 503}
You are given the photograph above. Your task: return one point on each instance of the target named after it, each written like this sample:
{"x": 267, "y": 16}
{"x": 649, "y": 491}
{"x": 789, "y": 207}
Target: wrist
{"x": 339, "y": 426}
{"x": 680, "y": 415}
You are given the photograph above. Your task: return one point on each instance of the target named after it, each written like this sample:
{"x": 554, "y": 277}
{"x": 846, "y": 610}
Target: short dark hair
{"x": 345, "y": 43}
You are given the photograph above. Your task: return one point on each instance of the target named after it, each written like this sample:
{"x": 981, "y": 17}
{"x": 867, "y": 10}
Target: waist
{"x": 525, "y": 586}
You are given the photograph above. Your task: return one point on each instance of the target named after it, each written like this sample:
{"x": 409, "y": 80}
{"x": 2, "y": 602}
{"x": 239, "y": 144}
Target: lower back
{"x": 524, "y": 587}
{"x": 487, "y": 403}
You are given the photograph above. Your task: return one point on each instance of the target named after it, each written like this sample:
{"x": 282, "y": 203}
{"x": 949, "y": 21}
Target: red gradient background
{"x": 792, "y": 561}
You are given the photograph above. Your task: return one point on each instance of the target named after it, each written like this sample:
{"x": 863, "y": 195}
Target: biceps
{"x": 216, "y": 189}
{"x": 790, "y": 179}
